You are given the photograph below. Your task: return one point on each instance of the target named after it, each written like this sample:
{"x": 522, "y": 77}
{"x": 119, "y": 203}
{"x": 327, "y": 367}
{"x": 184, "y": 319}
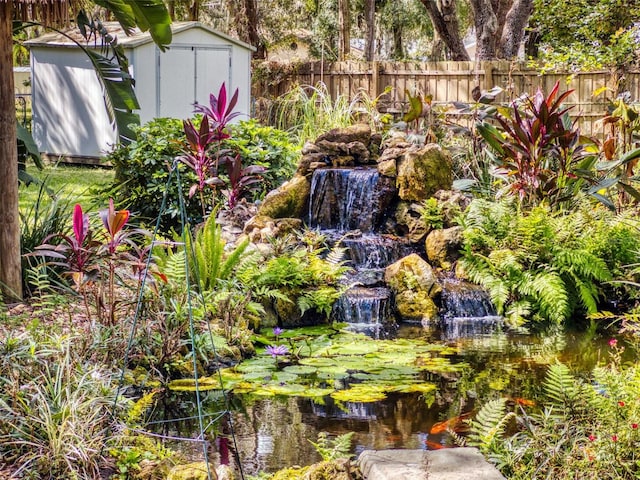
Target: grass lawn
{"x": 74, "y": 182}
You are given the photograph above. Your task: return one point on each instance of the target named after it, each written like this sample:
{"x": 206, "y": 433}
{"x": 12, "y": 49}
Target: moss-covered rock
{"x": 416, "y": 305}
{"x": 421, "y": 173}
{"x": 191, "y": 471}
{"x": 443, "y": 246}
{"x": 415, "y": 286}
{"x": 288, "y": 201}
{"x": 340, "y": 469}
{"x": 409, "y": 221}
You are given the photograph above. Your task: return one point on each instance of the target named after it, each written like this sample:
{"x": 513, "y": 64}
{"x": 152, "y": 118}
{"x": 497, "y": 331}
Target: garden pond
{"x": 400, "y": 392}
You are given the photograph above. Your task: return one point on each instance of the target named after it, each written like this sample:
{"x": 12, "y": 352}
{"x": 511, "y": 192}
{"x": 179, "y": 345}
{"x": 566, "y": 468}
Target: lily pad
{"x": 360, "y": 393}
{"x": 301, "y": 369}
{"x": 280, "y": 389}
{"x": 418, "y": 387}
{"x": 316, "y": 392}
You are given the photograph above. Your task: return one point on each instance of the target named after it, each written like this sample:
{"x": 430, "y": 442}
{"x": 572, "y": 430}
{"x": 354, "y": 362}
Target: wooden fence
{"x": 451, "y": 82}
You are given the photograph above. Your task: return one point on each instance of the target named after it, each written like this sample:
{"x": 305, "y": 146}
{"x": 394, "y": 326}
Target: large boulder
{"x": 410, "y": 223}
{"x": 290, "y": 200}
{"x": 443, "y": 246}
{"x": 421, "y": 173}
{"x": 360, "y": 132}
{"x": 415, "y": 286}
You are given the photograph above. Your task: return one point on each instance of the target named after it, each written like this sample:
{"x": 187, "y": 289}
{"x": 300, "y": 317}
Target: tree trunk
{"x": 445, "y": 23}
{"x": 398, "y": 50}
{"x": 500, "y": 26}
{"x": 344, "y": 29}
{"x": 486, "y": 23}
{"x": 10, "y": 270}
{"x": 514, "y": 27}
{"x": 253, "y": 35}
{"x": 370, "y": 15}
{"x": 194, "y": 14}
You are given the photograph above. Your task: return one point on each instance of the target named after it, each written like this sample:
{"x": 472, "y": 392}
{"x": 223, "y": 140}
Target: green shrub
{"x": 142, "y": 172}
{"x": 142, "y": 168}
{"x": 265, "y": 146}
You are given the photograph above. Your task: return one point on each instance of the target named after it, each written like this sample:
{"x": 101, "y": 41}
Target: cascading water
{"x": 348, "y": 204}
{"x": 466, "y": 310}
{"x": 344, "y": 199}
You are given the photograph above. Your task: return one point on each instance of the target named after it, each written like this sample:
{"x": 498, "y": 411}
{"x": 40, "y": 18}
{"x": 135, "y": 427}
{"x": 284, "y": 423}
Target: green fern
{"x": 561, "y": 387}
{"x": 331, "y": 450}
{"x": 489, "y": 424}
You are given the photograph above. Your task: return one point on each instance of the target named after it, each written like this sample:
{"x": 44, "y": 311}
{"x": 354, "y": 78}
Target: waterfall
{"x": 348, "y": 204}
{"x": 368, "y": 310}
{"x": 466, "y": 310}
{"x": 346, "y": 199}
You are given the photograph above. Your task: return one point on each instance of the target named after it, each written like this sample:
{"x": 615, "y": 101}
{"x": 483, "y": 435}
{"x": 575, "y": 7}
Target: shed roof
{"x": 137, "y": 38}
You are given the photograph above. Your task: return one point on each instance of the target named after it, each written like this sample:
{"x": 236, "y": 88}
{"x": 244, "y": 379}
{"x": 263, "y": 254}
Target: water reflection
{"x": 271, "y": 433}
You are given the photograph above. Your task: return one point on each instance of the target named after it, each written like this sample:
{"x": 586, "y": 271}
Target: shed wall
{"x": 69, "y": 114}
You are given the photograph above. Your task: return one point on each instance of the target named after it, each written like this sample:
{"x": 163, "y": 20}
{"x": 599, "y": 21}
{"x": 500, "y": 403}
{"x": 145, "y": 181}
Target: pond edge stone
{"x": 462, "y": 463}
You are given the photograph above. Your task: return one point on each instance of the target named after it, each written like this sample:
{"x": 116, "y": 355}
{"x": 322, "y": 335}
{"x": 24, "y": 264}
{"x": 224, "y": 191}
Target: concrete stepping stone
{"x": 464, "y": 463}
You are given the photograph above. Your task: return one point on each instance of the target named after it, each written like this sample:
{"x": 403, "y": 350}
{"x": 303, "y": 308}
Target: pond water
{"x": 272, "y": 432}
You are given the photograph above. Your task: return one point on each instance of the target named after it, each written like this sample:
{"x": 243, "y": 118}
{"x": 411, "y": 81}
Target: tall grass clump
{"x": 54, "y": 409}
{"x": 309, "y": 111}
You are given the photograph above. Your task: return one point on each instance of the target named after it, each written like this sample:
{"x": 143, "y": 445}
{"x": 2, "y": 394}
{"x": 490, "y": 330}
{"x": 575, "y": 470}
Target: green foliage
{"x": 542, "y": 266}
{"x": 603, "y": 33}
{"x": 582, "y": 425}
{"x": 432, "y": 213}
{"x": 334, "y": 449}
{"x": 210, "y": 263}
{"x": 54, "y": 409}
{"x": 142, "y": 172}
{"x": 265, "y": 146}
{"x": 302, "y": 276}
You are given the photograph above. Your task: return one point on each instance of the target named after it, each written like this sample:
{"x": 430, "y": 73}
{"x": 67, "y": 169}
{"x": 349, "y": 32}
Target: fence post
{"x": 375, "y": 78}
{"x": 488, "y": 75}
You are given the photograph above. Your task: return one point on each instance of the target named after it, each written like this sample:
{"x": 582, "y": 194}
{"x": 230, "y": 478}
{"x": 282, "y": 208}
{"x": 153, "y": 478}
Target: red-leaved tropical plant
{"x": 204, "y": 153}
{"x": 219, "y": 111}
{"x": 241, "y": 179}
{"x": 84, "y": 257}
{"x": 540, "y": 151}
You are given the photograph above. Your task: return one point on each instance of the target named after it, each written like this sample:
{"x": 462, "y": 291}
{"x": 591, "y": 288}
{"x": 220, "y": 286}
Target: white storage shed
{"x": 69, "y": 114}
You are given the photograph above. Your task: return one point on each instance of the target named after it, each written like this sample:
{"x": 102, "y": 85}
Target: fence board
{"x": 454, "y": 81}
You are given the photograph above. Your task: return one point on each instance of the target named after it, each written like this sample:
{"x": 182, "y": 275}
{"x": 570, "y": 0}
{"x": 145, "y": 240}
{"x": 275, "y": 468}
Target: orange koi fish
{"x": 457, "y": 424}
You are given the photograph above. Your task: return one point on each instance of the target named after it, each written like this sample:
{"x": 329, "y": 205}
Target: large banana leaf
{"x": 147, "y": 15}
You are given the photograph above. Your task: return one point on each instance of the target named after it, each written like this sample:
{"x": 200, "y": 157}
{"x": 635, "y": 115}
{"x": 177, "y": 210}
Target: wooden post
{"x": 10, "y": 261}
{"x": 488, "y": 75}
{"x": 375, "y": 80}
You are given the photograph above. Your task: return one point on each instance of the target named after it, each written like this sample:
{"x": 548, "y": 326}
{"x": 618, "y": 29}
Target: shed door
{"x": 187, "y": 75}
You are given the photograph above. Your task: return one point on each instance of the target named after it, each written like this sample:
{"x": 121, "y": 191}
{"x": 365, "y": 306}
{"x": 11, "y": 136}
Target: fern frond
{"x": 549, "y": 291}
{"x": 518, "y": 313}
{"x": 137, "y": 410}
{"x": 585, "y": 264}
{"x": 174, "y": 267}
{"x": 233, "y": 259}
{"x": 337, "y": 255}
{"x": 489, "y": 424}
{"x": 560, "y": 386}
